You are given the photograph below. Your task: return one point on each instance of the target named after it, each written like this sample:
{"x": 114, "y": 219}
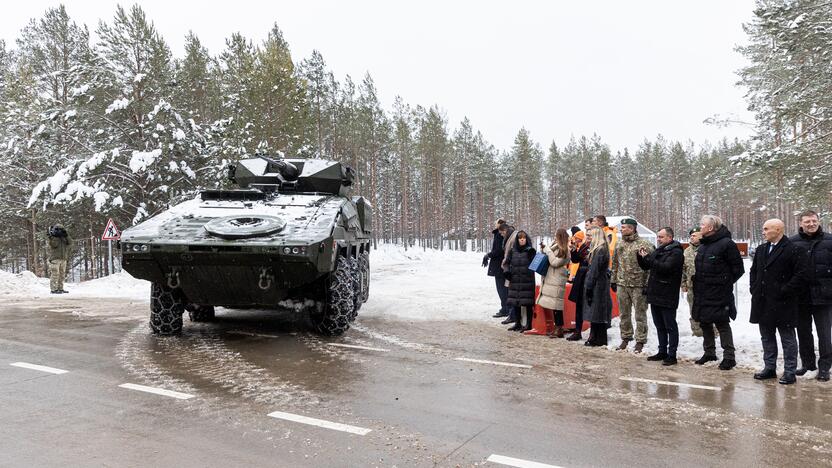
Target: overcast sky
{"x": 623, "y": 69}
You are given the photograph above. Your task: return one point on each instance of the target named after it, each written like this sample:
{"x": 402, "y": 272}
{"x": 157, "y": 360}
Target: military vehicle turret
{"x": 289, "y": 237}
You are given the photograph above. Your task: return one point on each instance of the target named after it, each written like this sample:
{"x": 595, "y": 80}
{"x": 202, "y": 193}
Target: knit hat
{"x": 630, "y": 221}
{"x": 575, "y": 230}
{"x": 693, "y": 229}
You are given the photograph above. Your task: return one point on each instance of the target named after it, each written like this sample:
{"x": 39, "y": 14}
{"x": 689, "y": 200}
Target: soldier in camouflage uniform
{"x": 629, "y": 281}
{"x": 687, "y": 275}
{"x": 59, "y": 248}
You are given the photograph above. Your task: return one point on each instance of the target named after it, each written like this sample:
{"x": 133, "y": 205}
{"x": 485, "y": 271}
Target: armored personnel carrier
{"x": 289, "y": 237}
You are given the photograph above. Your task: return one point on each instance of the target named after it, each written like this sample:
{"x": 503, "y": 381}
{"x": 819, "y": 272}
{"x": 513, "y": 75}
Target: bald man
{"x": 778, "y": 278}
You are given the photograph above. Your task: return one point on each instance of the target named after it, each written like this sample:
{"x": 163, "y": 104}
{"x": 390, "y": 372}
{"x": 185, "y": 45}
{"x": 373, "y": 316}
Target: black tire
{"x": 200, "y": 313}
{"x": 355, "y": 268}
{"x": 364, "y": 267}
{"x": 166, "y": 308}
{"x": 339, "y": 306}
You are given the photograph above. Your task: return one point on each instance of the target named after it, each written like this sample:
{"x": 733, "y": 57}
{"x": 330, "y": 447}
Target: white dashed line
{"x": 36, "y": 367}
{"x": 352, "y": 346}
{"x": 320, "y": 423}
{"x": 496, "y": 363}
{"x": 517, "y": 462}
{"x": 261, "y": 335}
{"x": 157, "y": 391}
{"x": 675, "y": 384}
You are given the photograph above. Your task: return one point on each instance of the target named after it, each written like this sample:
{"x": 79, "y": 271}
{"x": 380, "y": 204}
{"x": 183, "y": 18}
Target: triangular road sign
{"x": 111, "y": 232}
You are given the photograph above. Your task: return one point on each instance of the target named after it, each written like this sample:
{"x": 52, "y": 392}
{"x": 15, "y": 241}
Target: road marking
{"x": 517, "y": 462}
{"x": 675, "y": 384}
{"x": 319, "y": 423}
{"x": 352, "y": 346}
{"x": 157, "y": 391}
{"x": 36, "y": 367}
{"x": 261, "y": 335}
{"x": 496, "y": 363}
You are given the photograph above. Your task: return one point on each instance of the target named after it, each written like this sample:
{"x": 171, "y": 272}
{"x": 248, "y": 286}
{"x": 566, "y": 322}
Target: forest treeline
{"x": 123, "y": 126}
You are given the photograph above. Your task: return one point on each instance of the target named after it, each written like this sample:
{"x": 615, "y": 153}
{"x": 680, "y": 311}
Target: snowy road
{"x": 253, "y": 390}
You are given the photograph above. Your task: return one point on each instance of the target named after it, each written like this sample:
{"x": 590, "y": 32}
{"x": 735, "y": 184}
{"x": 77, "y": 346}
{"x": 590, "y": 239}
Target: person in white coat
{"x": 553, "y": 287}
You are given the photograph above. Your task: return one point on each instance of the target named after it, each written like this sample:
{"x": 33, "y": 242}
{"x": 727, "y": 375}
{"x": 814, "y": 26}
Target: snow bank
{"x": 429, "y": 285}
{"x": 119, "y": 286}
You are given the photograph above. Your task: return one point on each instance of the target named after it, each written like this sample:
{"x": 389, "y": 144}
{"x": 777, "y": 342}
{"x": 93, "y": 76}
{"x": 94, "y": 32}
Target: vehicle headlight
{"x": 145, "y": 248}
{"x": 287, "y": 250}
{"x": 295, "y": 250}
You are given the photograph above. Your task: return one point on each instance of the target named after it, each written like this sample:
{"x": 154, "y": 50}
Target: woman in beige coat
{"x": 554, "y": 283}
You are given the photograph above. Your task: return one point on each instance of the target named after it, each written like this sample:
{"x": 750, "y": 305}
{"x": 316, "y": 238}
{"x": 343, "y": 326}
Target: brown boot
{"x": 623, "y": 345}
{"x": 639, "y": 348}
{"x": 558, "y": 333}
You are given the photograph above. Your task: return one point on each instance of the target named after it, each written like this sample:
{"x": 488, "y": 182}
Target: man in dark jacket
{"x": 665, "y": 265}
{"x": 778, "y": 276}
{"x": 718, "y": 266}
{"x": 815, "y": 302}
{"x": 492, "y": 260}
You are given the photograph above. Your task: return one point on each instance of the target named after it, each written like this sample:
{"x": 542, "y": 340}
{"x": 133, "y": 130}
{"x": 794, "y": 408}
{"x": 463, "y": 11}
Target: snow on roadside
{"x": 118, "y": 286}
{"x": 422, "y": 284}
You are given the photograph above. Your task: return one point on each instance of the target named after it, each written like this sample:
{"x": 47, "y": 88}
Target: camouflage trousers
{"x": 57, "y": 273}
{"x": 629, "y": 299}
{"x": 694, "y": 325}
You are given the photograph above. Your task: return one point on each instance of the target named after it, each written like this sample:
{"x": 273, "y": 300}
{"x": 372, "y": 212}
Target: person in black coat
{"x": 597, "y": 297}
{"x": 778, "y": 276}
{"x": 718, "y": 265}
{"x": 665, "y": 265}
{"x": 492, "y": 260}
{"x": 579, "y": 255}
{"x": 815, "y": 303}
{"x": 521, "y": 280}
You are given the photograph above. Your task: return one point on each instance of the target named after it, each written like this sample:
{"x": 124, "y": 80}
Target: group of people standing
{"x": 790, "y": 284}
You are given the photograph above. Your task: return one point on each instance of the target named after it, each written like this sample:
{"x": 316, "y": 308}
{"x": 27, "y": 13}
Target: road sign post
{"x": 110, "y": 234}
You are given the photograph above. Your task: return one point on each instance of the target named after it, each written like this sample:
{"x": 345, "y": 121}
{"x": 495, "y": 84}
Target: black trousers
{"x": 822, "y": 316}
{"x": 502, "y": 291}
{"x": 768, "y": 335}
{"x": 726, "y": 339}
{"x": 598, "y": 333}
{"x": 579, "y": 315}
{"x": 558, "y": 316}
{"x": 666, "y": 328}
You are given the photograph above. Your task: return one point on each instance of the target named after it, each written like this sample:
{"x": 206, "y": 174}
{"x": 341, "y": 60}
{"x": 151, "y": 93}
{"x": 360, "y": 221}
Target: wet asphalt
{"x": 566, "y": 406}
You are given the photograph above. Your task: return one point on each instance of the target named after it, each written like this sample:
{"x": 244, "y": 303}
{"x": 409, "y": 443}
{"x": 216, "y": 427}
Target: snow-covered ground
{"x": 417, "y": 284}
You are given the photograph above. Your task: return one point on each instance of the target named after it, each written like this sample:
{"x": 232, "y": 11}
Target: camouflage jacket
{"x": 59, "y": 248}
{"x": 625, "y": 269}
{"x": 690, "y": 266}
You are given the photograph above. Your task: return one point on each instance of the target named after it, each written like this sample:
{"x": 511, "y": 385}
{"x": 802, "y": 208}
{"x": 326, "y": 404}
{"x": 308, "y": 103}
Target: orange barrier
{"x": 569, "y": 309}
{"x": 543, "y": 320}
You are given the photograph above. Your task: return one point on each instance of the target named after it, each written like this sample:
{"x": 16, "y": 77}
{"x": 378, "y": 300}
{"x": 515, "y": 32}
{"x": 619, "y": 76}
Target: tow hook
{"x": 265, "y": 279}
{"x": 173, "y": 279}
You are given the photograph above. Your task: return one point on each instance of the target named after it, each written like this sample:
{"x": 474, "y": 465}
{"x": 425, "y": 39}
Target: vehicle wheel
{"x": 199, "y": 313}
{"x": 340, "y": 301}
{"x": 166, "y": 308}
{"x": 364, "y": 266}
{"x": 355, "y": 267}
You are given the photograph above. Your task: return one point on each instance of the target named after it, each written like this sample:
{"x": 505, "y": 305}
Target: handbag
{"x": 540, "y": 264}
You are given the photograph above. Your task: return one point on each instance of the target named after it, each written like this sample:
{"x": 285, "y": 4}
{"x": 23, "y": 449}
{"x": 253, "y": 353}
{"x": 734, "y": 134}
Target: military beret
{"x": 693, "y": 229}
{"x": 629, "y": 221}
